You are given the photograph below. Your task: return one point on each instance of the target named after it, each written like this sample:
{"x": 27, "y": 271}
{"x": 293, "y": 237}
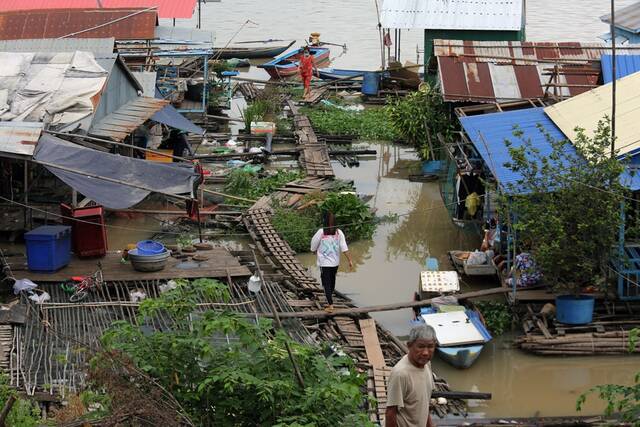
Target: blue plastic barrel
{"x": 574, "y": 310}
{"x": 370, "y": 83}
{"x": 149, "y": 247}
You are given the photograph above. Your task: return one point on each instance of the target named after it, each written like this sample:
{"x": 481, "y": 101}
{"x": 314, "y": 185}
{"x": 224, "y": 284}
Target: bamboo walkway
{"x": 372, "y": 347}
{"x": 315, "y": 155}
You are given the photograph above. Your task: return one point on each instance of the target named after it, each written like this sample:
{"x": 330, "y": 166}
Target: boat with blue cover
{"x": 339, "y": 73}
{"x": 288, "y": 64}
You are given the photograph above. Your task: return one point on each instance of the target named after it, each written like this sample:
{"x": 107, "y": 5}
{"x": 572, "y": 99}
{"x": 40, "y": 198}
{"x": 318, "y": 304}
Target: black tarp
{"x": 166, "y": 178}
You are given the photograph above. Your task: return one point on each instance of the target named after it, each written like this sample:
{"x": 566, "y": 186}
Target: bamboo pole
{"x": 216, "y": 193}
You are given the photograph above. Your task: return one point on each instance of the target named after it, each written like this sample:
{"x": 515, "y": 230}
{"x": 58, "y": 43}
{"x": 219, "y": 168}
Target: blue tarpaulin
{"x": 625, "y": 65}
{"x": 171, "y": 117}
{"x": 488, "y": 133}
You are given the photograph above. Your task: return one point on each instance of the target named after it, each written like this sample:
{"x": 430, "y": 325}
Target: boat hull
{"x": 289, "y": 64}
{"x": 249, "y": 52}
{"x": 460, "y": 357}
{"x": 336, "y": 73}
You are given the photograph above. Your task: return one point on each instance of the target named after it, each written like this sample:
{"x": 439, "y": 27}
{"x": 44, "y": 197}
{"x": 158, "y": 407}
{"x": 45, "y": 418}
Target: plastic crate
{"x": 48, "y": 247}
{"x": 89, "y": 234}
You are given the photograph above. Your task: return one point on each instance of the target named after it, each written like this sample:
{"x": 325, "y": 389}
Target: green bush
{"x": 246, "y": 380}
{"x": 297, "y": 227}
{"x": 371, "y": 123}
{"x": 352, "y": 215}
{"x": 247, "y": 184}
{"x": 24, "y": 413}
{"x": 496, "y": 315}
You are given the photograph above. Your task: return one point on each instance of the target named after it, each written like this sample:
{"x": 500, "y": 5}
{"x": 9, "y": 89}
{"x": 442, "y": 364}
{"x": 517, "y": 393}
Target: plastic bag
{"x": 477, "y": 258}
{"x": 137, "y": 295}
{"x": 40, "y": 298}
{"x": 23, "y": 285}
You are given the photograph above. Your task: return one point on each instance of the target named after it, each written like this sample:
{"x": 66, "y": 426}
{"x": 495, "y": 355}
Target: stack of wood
{"x": 607, "y": 334}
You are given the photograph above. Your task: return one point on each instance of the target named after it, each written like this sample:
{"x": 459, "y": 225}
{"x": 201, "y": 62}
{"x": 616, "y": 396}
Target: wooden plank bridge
{"x": 315, "y": 155}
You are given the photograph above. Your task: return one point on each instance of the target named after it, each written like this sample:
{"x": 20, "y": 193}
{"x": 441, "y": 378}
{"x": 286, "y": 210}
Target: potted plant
{"x": 568, "y": 206}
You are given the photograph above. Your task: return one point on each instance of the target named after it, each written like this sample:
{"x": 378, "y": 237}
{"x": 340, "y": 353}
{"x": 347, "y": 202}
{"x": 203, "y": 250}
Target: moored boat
{"x": 460, "y": 330}
{"x": 288, "y": 64}
{"x": 338, "y": 73}
{"x": 250, "y": 52}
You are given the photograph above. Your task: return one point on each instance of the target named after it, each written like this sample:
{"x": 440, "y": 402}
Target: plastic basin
{"x": 574, "y": 309}
{"x": 149, "y": 247}
{"x": 148, "y": 263}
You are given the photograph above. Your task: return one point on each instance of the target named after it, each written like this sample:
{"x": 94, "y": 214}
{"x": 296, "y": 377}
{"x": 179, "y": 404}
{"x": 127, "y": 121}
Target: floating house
{"x": 627, "y": 24}
{"x": 492, "y": 20}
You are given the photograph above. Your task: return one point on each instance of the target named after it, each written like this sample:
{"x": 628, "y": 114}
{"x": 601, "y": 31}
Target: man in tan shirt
{"x": 411, "y": 382}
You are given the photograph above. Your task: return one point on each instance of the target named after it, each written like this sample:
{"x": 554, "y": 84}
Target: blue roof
{"x": 488, "y": 133}
{"x": 171, "y": 117}
{"x": 625, "y": 65}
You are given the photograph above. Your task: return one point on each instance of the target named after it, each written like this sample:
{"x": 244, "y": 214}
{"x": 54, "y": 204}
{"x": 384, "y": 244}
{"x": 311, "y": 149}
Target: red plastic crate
{"x": 88, "y": 233}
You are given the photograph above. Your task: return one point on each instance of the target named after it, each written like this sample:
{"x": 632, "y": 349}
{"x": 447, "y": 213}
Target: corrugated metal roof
{"x": 97, "y": 46}
{"x": 586, "y": 110}
{"x": 184, "y": 35}
{"x": 122, "y": 24}
{"x": 119, "y": 124}
{"x": 625, "y": 65}
{"x": 627, "y": 18}
{"x": 19, "y": 137}
{"x": 488, "y": 133}
{"x": 526, "y": 53}
{"x": 500, "y": 15}
{"x": 166, "y": 8}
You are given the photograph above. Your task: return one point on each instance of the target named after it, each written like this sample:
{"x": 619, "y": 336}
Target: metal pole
{"x": 199, "y": 13}
{"x": 613, "y": 83}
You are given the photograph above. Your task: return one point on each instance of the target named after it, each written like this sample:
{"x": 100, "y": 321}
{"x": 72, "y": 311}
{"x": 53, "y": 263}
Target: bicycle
{"x": 86, "y": 284}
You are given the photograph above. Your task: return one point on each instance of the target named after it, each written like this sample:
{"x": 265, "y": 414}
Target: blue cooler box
{"x": 48, "y": 247}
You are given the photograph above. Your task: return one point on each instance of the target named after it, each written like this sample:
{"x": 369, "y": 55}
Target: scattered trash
{"x": 236, "y": 163}
{"x": 254, "y": 284}
{"x": 231, "y": 143}
{"x": 358, "y": 107}
{"x": 23, "y": 285}
{"x": 137, "y": 296}
{"x": 40, "y": 298}
{"x": 170, "y": 285}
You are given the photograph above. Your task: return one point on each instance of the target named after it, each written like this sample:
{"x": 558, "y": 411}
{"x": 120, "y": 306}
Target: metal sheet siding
{"x": 47, "y": 24}
{"x": 19, "y": 137}
{"x": 627, "y": 18}
{"x": 587, "y": 109}
{"x": 502, "y": 15}
{"x": 118, "y": 91}
{"x": 123, "y": 121}
{"x": 166, "y": 8}
{"x": 97, "y": 46}
{"x": 488, "y": 133}
{"x": 625, "y": 65}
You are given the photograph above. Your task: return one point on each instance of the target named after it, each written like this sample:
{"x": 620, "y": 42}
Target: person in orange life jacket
{"x": 307, "y": 65}
{"x": 328, "y": 243}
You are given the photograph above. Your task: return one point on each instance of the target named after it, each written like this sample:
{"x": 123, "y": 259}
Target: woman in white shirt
{"x": 328, "y": 243}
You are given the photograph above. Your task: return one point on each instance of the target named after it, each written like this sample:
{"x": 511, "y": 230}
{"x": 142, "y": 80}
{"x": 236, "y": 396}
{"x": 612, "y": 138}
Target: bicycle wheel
{"x": 78, "y": 295}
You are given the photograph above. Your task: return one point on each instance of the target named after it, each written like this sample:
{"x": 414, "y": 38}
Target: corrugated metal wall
{"x": 118, "y": 92}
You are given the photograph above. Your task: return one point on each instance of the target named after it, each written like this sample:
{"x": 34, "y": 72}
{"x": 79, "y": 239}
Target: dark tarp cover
{"x": 171, "y": 117}
{"x": 166, "y": 178}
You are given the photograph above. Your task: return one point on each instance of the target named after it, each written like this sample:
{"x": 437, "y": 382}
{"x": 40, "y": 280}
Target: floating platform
{"x": 220, "y": 264}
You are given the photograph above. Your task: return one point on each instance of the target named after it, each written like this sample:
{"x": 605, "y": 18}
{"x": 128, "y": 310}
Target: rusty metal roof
{"x": 490, "y": 15}
{"x": 166, "y": 8}
{"x": 627, "y": 18}
{"x": 488, "y": 72}
{"x": 121, "y": 123}
{"x": 19, "y": 137}
{"x": 122, "y": 24}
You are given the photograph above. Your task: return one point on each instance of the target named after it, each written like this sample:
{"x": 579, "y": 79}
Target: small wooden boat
{"x": 250, "y": 52}
{"x": 460, "y": 330}
{"x": 337, "y": 73}
{"x": 459, "y": 261}
{"x": 288, "y": 64}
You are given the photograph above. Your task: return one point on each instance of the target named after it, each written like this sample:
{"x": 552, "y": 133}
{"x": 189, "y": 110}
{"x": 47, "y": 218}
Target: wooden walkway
{"x": 220, "y": 264}
{"x": 315, "y": 155}
{"x": 373, "y": 348}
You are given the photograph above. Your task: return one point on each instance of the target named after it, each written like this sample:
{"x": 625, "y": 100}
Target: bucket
{"x": 370, "y": 83}
{"x": 255, "y": 284}
{"x": 574, "y": 310}
{"x": 150, "y": 247}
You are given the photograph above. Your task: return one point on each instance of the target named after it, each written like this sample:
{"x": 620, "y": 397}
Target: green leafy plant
{"x": 23, "y": 412}
{"x": 496, "y": 315}
{"x": 352, "y": 215}
{"x": 249, "y": 185}
{"x": 420, "y": 117}
{"x": 297, "y": 227}
{"x": 226, "y": 371}
{"x": 370, "y": 124}
{"x": 568, "y": 206}
{"x": 621, "y": 399}
{"x": 254, "y": 113}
